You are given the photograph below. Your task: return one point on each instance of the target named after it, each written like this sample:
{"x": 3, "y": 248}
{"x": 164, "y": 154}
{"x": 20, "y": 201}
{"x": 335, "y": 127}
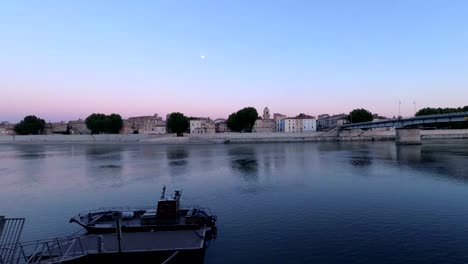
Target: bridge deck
{"x": 417, "y": 120}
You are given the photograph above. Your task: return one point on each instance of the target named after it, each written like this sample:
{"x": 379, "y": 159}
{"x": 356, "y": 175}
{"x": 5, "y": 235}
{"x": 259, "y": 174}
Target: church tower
{"x": 266, "y": 113}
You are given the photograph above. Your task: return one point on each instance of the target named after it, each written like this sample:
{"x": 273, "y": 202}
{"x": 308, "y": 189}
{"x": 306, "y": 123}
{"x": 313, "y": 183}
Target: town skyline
{"x": 64, "y": 118}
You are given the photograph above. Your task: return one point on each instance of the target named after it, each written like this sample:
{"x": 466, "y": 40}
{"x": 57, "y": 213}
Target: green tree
{"x": 438, "y": 111}
{"x": 360, "y": 115}
{"x": 177, "y": 123}
{"x": 30, "y": 125}
{"x": 242, "y": 120}
{"x": 104, "y": 124}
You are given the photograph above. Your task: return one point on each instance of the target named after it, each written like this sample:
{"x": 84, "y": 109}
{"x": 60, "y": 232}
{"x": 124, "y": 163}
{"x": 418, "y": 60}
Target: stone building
{"x": 144, "y": 125}
{"x": 202, "y": 126}
{"x": 326, "y": 122}
{"x": 56, "y": 128}
{"x": 221, "y": 125}
{"x": 78, "y": 127}
{"x": 7, "y": 129}
{"x": 265, "y": 124}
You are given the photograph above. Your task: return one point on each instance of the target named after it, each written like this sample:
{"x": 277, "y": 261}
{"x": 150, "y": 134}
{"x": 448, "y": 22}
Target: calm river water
{"x": 276, "y": 203}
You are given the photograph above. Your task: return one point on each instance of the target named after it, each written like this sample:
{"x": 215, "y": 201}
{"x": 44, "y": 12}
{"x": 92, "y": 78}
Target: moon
{"x": 202, "y": 57}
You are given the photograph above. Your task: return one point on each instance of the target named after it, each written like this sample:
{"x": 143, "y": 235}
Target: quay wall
{"x": 333, "y": 135}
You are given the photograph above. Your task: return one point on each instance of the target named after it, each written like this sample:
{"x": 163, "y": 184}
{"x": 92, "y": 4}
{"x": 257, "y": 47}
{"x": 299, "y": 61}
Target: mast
{"x": 163, "y": 194}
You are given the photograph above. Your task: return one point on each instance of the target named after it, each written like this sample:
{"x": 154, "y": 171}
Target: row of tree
{"x": 438, "y": 111}
{"x": 96, "y": 123}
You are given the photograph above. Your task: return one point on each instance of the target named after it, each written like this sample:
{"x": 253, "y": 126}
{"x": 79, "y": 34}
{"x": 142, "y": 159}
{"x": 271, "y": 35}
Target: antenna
{"x": 399, "y": 108}
{"x": 414, "y": 103}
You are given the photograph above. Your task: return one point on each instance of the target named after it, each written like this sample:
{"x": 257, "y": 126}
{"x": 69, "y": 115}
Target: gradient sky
{"x": 63, "y": 60}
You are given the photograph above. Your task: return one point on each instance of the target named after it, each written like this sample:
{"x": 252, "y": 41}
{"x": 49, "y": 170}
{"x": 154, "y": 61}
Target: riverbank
{"x": 169, "y": 139}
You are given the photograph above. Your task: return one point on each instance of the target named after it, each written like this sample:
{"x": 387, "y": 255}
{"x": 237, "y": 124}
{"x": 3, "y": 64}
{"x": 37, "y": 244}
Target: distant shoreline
{"x": 220, "y": 138}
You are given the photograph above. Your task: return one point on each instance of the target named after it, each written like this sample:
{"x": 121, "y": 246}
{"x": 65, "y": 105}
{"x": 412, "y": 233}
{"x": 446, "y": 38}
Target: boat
{"x": 168, "y": 215}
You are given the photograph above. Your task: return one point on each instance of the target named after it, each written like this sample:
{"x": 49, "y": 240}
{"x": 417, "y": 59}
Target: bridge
{"x": 410, "y": 122}
{"x": 407, "y": 131}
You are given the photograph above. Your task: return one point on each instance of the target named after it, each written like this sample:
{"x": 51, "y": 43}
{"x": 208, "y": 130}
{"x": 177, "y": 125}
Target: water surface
{"x": 276, "y": 203}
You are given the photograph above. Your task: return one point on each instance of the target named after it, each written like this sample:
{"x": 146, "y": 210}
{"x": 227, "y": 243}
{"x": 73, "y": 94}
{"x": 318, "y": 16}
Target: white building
{"x": 299, "y": 124}
{"x": 202, "y": 126}
{"x": 278, "y": 117}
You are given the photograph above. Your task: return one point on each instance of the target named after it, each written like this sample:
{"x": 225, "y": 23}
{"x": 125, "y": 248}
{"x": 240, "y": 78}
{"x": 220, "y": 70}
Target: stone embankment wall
{"x": 444, "y": 134}
{"x": 75, "y": 138}
{"x": 333, "y": 135}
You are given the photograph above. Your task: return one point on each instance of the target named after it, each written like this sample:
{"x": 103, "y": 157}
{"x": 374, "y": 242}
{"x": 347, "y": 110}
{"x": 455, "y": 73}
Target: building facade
{"x": 144, "y": 125}
{"x": 278, "y": 117}
{"x": 78, "y": 127}
{"x": 7, "y": 129}
{"x": 299, "y": 124}
{"x": 56, "y": 128}
{"x": 221, "y": 125}
{"x": 265, "y": 124}
{"x": 202, "y": 126}
{"x": 326, "y": 122}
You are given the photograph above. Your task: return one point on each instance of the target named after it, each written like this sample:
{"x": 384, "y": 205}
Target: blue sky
{"x": 66, "y": 59}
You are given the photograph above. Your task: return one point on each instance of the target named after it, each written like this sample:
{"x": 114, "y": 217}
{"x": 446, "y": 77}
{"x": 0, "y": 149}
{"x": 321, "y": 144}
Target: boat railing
{"x": 117, "y": 208}
{"x": 137, "y": 208}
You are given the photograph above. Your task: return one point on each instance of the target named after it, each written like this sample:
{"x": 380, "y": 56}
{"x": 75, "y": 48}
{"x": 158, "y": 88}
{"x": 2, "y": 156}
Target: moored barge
{"x": 168, "y": 215}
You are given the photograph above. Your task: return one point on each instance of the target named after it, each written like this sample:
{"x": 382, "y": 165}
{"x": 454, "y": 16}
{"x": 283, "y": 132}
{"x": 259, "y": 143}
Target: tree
{"x": 360, "y": 115}
{"x": 438, "y": 111}
{"x": 243, "y": 120}
{"x": 177, "y": 123}
{"x": 30, "y": 125}
{"x": 104, "y": 124}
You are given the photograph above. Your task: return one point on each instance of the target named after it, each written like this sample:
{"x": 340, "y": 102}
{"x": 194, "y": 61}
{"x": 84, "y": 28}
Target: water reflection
{"x": 410, "y": 153}
{"x": 361, "y": 159}
{"x": 31, "y": 152}
{"x": 177, "y": 160}
{"x": 104, "y": 165}
{"x": 244, "y": 160}
{"x": 33, "y": 159}
{"x": 177, "y": 156}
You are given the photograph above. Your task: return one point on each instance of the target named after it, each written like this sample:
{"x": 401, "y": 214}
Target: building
{"x": 299, "y": 124}
{"x": 7, "y": 129}
{"x": 278, "y": 117}
{"x": 376, "y": 117}
{"x": 221, "y": 125}
{"x": 144, "y": 125}
{"x": 78, "y": 127}
{"x": 265, "y": 124}
{"x": 326, "y": 122}
{"x": 56, "y": 128}
{"x": 202, "y": 126}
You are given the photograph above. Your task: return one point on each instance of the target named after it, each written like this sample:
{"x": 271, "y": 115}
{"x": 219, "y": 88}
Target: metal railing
{"x": 54, "y": 250}
{"x": 10, "y": 232}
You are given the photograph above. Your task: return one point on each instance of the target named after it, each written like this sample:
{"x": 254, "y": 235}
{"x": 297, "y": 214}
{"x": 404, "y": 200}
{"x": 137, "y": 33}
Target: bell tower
{"x": 266, "y": 113}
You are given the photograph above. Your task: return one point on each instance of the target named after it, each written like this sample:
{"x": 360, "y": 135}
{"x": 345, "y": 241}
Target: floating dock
{"x": 139, "y": 247}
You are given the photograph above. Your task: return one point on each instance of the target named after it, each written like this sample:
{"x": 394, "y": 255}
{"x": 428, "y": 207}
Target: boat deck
{"x": 138, "y": 242}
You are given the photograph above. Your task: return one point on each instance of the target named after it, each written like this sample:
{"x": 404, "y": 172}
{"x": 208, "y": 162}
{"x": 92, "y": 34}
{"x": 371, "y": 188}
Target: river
{"x": 276, "y": 203}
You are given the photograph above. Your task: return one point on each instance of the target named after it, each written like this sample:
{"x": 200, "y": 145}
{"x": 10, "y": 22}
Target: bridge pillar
{"x": 408, "y": 136}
